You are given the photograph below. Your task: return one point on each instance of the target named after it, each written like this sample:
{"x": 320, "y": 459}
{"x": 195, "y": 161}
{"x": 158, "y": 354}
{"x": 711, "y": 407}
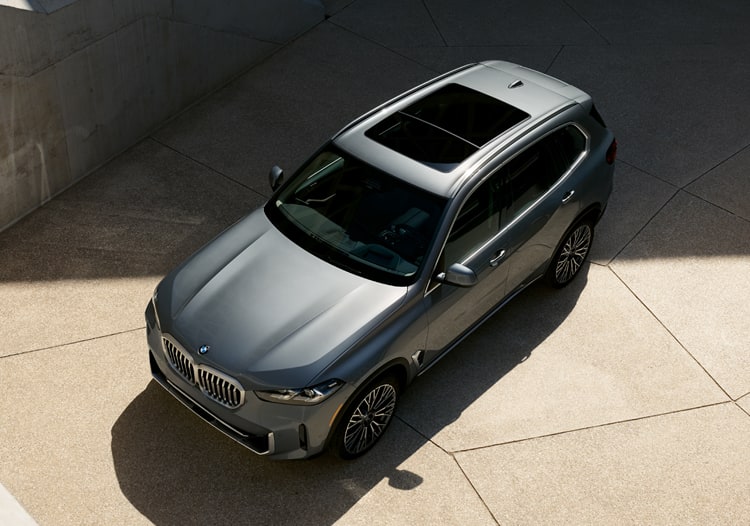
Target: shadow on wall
{"x": 175, "y": 469}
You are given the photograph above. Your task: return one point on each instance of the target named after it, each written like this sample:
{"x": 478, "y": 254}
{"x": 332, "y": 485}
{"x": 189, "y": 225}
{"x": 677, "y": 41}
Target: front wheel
{"x": 366, "y": 419}
{"x": 571, "y": 254}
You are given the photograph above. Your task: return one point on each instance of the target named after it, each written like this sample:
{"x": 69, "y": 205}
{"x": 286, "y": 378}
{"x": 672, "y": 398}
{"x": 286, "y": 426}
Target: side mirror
{"x": 458, "y": 275}
{"x": 275, "y": 177}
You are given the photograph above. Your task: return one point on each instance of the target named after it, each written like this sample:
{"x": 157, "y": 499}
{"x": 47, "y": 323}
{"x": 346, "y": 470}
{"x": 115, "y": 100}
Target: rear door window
{"x": 530, "y": 174}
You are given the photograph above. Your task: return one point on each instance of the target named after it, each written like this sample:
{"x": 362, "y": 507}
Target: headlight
{"x": 305, "y": 396}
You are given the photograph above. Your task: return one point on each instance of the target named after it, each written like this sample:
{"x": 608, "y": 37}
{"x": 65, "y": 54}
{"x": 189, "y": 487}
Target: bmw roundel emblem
{"x": 203, "y": 349}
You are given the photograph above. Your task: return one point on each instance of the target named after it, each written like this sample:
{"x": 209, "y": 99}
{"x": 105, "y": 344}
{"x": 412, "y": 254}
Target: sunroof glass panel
{"x": 446, "y": 126}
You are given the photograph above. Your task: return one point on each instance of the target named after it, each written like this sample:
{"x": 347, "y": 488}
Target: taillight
{"x": 612, "y": 152}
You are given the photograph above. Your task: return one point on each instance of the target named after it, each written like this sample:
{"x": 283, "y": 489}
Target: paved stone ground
{"x": 622, "y": 399}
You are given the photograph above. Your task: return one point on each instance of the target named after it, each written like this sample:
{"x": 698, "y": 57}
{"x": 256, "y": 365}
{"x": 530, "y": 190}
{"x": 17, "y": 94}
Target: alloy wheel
{"x": 573, "y": 254}
{"x": 369, "y": 419}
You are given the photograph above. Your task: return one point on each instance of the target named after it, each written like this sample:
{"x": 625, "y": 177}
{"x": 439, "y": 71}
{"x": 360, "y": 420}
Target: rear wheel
{"x": 571, "y": 254}
{"x": 367, "y": 418}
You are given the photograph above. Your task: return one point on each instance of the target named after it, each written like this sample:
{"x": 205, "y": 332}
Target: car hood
{"x": 269, "y": 311}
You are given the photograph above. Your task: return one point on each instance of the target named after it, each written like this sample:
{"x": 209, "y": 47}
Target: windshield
{"x": 357, "y": 217}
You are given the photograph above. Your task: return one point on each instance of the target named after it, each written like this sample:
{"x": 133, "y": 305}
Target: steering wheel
{"x": 405, "y": 232}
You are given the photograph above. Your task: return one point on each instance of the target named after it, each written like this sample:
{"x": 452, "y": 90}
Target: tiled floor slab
{"x": 488, "y": 22}
{"x": 426, "y": 488}
{"x": 144, "y": 212}
{"x": 284, "y": 109}
{"x": 663, "y": 104}
{"x": 86, "y": 264}
{"x": 689, "y": 266}
{"x": 58, "y": 408}
{"x": 744, "y": 403}
{"x": 214, "y": 480}
{"x": 118, "y": 449}
{"x": 41, "y": 315}
{"x": 393, "y": 23}
{"x": 685, "y": 468}
{"x": 687, "y": 22}
{"x": 636, "y": 198}
{"x": 334, "y": 6}
{"x": 165, "y": 187}
{"x": 441, "y": 59}
{"x": 555, "y": 361}
{"x": 727, "y": 185}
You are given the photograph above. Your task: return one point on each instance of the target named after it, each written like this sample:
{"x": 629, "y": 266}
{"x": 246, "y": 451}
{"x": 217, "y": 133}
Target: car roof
{"x": 520, "y": 97}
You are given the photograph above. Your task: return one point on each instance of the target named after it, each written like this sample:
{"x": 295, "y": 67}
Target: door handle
{"x": 567, "y": 197}
{"x": 495, "y": 261}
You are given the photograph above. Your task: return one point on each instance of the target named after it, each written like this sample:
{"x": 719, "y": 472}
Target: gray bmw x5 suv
{"x": 297, "y": 328}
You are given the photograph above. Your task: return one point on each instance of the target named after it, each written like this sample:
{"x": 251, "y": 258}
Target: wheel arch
{"x": 592, "y": 213}
{"x": 398, "y": 368}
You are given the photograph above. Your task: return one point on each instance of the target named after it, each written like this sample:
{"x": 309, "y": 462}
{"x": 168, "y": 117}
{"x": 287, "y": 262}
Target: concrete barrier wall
{"x": 82, "y": 80}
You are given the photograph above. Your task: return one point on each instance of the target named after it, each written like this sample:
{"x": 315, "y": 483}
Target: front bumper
{"x": 279, "y": 431}
{"x": 262, "y": 444}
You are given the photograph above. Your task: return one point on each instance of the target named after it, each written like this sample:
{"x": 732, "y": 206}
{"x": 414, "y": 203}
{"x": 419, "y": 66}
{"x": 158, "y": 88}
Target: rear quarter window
{"x": 569, "y": 143}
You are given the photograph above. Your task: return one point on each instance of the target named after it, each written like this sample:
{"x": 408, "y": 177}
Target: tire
{"x": 570, "y": 255}
{"x": 366, "y": 418}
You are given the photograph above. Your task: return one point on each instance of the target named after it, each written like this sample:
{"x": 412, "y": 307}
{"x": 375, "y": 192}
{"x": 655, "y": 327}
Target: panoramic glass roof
{"x": 445, "y": 127}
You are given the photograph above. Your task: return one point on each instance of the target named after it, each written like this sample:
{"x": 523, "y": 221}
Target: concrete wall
{"x": 82, "y": 80}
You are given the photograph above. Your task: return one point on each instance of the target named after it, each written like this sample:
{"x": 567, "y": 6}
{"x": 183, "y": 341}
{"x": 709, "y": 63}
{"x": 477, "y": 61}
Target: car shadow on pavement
{"x": 441, "y": 396}
{"x": 175, "y": 469}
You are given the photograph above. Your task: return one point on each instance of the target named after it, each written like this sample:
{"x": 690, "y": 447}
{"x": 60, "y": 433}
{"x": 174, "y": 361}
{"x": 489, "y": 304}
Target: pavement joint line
{"x": 742, "y": 408}
{"x": 225, "y": 31}
{"x": 677, "y": 191}
{"x": 585, "y": 20}
{"x": 714, "y": 167}
{"x": 646, "y": 224}
{"x": 647, "y": 172}
{"x": 554, "y": 59}
{"x": 269, "y": 56}
{"x": 201, "y": 163}
{"x": 68, "y": 344}
{"x": 384, "y": 47}
{"x": 425, "y": 437}
{"x": 700, "y": 198}
{"x": 597, "y": 426}
{"x": 212, "y": 92}
{"x": 452, "y": 455}
{"x": 434, "y": 24}
{"x": 672, "y": 334}
{"x": 473, "y": 487}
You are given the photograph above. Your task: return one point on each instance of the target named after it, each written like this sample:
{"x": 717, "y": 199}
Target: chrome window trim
{"x": 432, "y": 284}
